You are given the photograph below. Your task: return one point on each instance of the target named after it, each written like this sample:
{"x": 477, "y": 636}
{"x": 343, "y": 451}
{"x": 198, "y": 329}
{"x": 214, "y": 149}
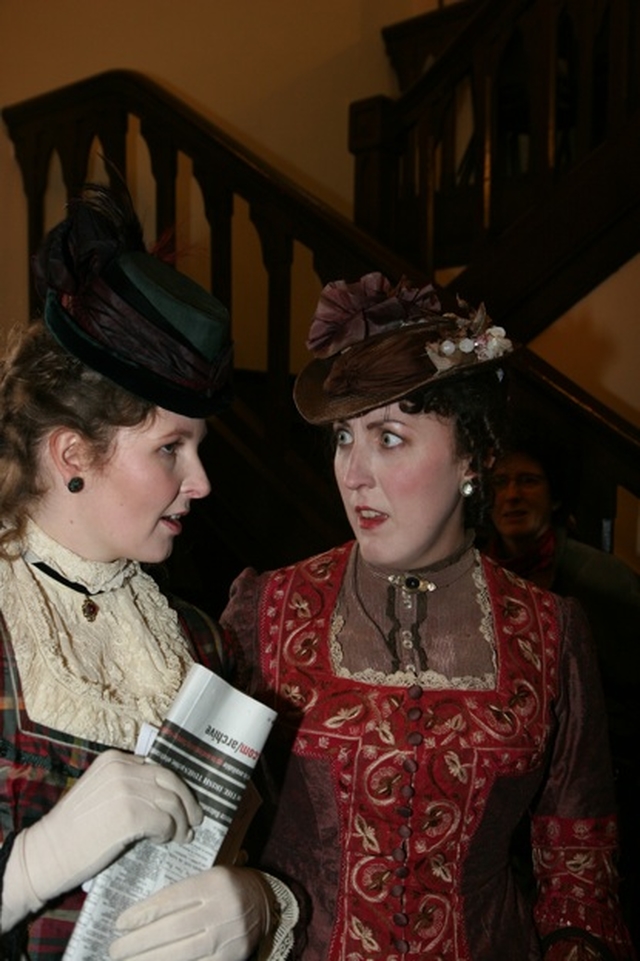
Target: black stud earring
{"x": 75, "y": 485}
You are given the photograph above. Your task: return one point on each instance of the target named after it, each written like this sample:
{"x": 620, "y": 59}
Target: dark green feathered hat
{"x": 129, "y": 315}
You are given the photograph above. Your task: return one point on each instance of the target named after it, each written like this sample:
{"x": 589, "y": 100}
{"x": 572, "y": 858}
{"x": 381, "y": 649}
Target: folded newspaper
{"x": 212, "y": 736}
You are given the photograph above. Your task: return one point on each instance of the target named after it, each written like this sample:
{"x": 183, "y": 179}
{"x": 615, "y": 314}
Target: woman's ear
{"x": 68, "y": 452}
{"x": 469, "y": 472}
{"x": 490, "y": 460}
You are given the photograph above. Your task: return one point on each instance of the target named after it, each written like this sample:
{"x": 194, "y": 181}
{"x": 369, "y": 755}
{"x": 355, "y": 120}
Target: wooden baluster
{"x": 218, "y": 207}
{"x": 372, "y": 141}
{"x": 164, "y": 165}
{"x": 33, "y": 147}
{"x": 277, "y": 254}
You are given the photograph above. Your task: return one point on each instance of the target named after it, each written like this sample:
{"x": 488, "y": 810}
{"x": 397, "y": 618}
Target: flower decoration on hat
{"x": 349, "y": 313}
{"x": 470, "y": 341}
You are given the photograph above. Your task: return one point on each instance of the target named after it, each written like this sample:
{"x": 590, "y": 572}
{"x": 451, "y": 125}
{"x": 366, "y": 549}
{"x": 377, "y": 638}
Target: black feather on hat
{"x": 127, "y": 314}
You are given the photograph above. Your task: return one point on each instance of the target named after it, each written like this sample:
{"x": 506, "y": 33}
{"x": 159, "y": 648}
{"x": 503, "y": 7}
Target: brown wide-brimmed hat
{"x": 374, "y": 344}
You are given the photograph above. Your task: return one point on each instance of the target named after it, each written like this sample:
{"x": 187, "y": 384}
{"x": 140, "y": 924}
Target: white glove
{"x": 218, "y": 915}
{"x": 118, "y": 800}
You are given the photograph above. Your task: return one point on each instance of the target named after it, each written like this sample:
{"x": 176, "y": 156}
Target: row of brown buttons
{"x": 405, "y": 811}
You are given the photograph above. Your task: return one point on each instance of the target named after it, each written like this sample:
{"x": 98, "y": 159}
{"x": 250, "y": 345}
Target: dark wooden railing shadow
{"x": 273, "y": 498}
{"x": 526, "y": 93}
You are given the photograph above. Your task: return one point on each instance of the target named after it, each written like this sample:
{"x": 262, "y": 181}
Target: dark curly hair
{"x": 43, "y": 387}
{"x": 477, "y": 404}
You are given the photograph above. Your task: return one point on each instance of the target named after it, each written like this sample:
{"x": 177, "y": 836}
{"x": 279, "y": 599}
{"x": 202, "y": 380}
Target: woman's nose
{"x": 357, "y": 471}
{"x": 197, "y": 483}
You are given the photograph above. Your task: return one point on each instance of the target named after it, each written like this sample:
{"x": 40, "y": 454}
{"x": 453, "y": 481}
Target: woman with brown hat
{"x": 427, "y": 698}
{"x": 102, "y": 410}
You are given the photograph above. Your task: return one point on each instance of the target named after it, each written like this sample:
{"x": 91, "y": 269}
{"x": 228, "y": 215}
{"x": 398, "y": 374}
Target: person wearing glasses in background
{"x": 531, "y": 535}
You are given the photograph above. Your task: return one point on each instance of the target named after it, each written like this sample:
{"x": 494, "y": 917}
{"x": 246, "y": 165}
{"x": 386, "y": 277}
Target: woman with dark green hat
{"x": 102, "y": 409}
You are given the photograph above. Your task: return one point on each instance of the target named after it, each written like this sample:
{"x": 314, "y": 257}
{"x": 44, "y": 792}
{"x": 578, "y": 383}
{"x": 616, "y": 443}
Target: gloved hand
{"x": 118, "y": 800}
{"x": 217, "y": 915}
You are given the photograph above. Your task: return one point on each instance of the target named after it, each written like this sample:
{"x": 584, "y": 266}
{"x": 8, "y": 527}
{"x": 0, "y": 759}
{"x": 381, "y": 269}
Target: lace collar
{"x": 96, "y": 576}
{"x": 93, "y": 677}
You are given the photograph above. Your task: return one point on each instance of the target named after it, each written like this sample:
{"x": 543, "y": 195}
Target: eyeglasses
{"x": 525, "y": 481}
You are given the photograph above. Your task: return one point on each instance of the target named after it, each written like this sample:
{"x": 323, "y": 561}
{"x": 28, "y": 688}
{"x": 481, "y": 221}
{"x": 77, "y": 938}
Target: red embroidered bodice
{"x": 428, "y": 784}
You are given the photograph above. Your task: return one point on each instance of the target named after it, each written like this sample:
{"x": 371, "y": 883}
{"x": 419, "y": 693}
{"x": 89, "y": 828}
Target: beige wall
{"x": 597, "y": 343}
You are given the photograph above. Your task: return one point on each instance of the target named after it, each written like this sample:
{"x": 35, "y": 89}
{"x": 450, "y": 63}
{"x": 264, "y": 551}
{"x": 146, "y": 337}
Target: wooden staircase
{"x": 518, "y": 96}
{"x": 272, "y": 498}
